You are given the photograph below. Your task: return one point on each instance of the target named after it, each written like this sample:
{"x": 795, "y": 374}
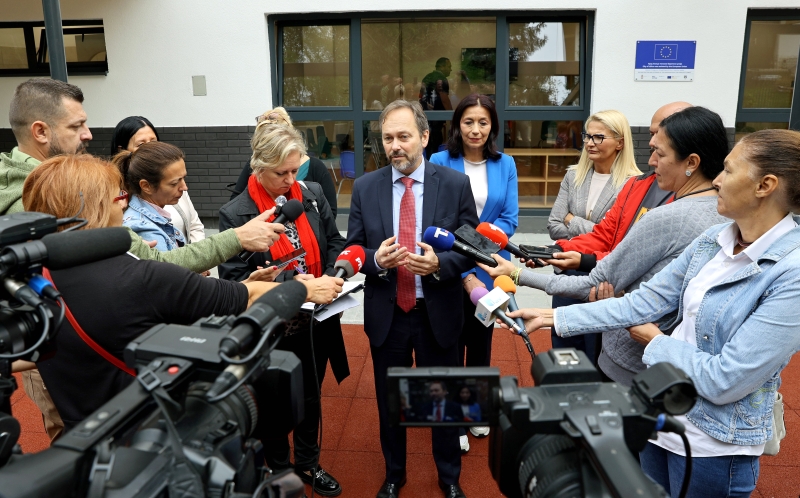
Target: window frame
{"x": 790, "y": 115}
{"x": 353, "y": 111}
{"x": 35, "y": 68}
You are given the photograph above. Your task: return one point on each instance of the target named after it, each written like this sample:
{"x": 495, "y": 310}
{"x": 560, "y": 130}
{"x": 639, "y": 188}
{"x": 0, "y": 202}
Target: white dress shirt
{"x": 398, "y": 189}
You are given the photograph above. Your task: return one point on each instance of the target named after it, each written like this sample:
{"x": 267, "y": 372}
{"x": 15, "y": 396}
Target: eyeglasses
{"x": 596, "y": 139}
{"x": 121, "y": 197}
{"x": 271, "y": 118}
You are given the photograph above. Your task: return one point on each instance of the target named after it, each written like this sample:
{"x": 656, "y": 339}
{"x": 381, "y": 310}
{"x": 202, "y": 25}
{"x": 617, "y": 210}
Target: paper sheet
{"x": 343, "y": 302}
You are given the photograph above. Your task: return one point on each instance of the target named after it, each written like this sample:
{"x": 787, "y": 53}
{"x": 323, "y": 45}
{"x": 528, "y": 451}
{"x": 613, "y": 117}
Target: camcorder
{"x": 183, "y": 427}
{"x": 572, "y": 435}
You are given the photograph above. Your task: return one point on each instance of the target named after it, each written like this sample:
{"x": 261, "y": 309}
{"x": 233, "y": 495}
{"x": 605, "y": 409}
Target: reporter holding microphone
{"x": 277, "y": 155}
{"x": 117, "y": 299}
{"x": 735, "y": 287}
{"x": 471, "y": 149}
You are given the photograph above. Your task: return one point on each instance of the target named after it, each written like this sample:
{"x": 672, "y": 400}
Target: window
{"x": 24, "y": 51}
{"x": 342, "y": 70}
{"x": 769, "y": 73}
{"x": 316, "y": 66}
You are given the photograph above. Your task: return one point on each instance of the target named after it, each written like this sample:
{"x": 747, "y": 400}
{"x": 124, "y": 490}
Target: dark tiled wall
{"x": 215, "y": 155}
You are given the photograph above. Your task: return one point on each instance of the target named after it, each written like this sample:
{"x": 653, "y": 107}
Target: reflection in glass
{"x": 436, "y": 61}
{"x": 316, "y": 66}
{"x": 81, "y": 44}
{"x": 544, "y": 64}
{"x": 326, "y": 140}
{"x": 542, "y": 151}
{"x": 771, "y": 64}
{"x": 12, "y": 49}
{"x": 745, "y": 128}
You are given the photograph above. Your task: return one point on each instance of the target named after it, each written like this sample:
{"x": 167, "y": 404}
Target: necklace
{"x": 695, "y": 192}
{"x": 741, "y": 242}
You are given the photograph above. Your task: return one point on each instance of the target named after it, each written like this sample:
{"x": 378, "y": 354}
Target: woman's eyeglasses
{"x": 271, "y": 118}
{"x": 121, "y": 197}
{"x": 596, "y": 139}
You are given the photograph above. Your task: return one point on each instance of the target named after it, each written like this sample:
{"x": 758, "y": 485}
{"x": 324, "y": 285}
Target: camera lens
{"x": 240, "y": 406}
{"x": 549, "y": 467}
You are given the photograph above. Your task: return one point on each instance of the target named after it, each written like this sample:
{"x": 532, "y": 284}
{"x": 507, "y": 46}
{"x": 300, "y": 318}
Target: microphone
{"x": 270, "y": 310}
{"x": 349, "y": 262}
{"x": 476, "y": 296}
{"x": 441, "y": 239}
{"x": 504, "y": 282}
{"x": 493, "y": 233}
{"x": 58, "y": 251}
{"x": 288, "y": 212}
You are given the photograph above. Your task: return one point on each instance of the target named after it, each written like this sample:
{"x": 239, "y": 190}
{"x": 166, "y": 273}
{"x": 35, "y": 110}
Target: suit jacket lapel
{"x": 429, "y": 195}
{"x": 607, "y": 195}
{"x": 385, "y": 202}
{"x": 496, "y": 192}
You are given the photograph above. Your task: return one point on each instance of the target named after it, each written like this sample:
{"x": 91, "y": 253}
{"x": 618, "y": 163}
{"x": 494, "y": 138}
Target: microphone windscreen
{"x": 439, "y": 238}
{"x": 286, "y": 299}
{"x": 505, "y": 283}
{"x": 68, "y": 249}
{"x": 493, "y": 233}
{"x": 291, "y": 210}
{"x": 351, "y": 260}
{"x": 476, "y": 294}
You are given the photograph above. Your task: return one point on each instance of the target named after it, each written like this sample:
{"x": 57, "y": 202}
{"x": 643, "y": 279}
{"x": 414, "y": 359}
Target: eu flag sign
{"x": 665, "y": 60}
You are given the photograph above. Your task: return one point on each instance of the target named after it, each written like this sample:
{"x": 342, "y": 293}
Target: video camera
{"x": 573, "y": 435}
{"x": 183, "y": 427}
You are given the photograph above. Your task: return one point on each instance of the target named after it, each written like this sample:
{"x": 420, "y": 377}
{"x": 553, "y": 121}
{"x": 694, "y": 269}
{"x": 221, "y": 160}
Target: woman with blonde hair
{"x": 311, "y": 168}
{"x": 590, "y": 187}
{"x": 588, "y": 190}
{"x": 278, "y": 153}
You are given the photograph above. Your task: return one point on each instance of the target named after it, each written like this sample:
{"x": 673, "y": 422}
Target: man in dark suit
{"x": 439, "y": 408}
{"x": 412, "y": 298}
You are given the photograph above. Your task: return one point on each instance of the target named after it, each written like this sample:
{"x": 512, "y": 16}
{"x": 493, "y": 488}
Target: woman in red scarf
{"x": 276, "y": 159}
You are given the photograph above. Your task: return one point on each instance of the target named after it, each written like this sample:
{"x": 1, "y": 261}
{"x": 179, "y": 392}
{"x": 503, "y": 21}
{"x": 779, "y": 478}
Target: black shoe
{"x": 389, "y": 490}
{"x": 323, "y": 483}
{"x": 451, "y": 490}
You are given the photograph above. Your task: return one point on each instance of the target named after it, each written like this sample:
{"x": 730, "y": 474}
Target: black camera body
{"x": 572, "y": 435}
{"x": 127, "y": 447}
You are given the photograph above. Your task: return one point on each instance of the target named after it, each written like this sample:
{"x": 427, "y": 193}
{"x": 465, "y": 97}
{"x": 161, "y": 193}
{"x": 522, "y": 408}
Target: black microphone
{"x": 58, "y": 251}
{"x": 270, "y": 310}
{"x": 289, "y": 212}
{"x": 441, "y": 239}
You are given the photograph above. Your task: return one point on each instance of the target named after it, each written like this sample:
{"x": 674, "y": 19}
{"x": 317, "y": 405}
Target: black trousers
{"x": 411, "y": 339}
{"x": 306, "y": 447}
{"x": 475, "y": 343}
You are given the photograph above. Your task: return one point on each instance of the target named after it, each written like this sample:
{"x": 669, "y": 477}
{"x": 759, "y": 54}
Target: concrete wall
{"x": 155, "y": 46}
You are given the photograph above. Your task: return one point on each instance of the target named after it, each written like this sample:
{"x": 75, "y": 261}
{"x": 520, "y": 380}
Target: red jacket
{"x": 607, "y": 234}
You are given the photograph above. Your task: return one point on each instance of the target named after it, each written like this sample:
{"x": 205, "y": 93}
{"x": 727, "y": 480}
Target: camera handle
{"x": 600, "y": 430}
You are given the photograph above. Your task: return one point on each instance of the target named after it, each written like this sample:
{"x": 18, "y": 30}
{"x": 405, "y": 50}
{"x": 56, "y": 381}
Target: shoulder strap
{"x": 88, "y": 340}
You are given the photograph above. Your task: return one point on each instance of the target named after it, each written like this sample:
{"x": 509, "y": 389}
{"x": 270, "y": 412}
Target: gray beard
{"x": 410, "y": 162}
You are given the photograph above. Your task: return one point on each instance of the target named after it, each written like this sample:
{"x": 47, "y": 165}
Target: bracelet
{"x": 471, "y": 276}
{"x": 515, "y": 275}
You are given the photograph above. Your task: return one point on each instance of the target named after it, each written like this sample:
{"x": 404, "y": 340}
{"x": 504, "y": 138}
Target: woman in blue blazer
{"x": 471, "y": 150}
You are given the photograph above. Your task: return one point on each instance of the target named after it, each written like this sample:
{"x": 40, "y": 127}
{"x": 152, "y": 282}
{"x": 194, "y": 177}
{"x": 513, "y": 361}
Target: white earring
{"x": 688, "y": 173}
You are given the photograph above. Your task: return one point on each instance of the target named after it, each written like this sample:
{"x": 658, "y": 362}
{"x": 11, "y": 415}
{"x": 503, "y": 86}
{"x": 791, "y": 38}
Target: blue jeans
{"x": 588, "y": 343}
{"x": 712, "y": 477}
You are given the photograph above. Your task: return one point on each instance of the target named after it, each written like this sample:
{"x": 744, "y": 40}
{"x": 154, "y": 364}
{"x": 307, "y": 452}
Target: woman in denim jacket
{"x": 736, "y": 288}
{"x": 155, "y": 176}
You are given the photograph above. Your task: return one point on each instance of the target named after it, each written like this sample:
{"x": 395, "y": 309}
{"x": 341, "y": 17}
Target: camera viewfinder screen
{"x": 461, "y": 401}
